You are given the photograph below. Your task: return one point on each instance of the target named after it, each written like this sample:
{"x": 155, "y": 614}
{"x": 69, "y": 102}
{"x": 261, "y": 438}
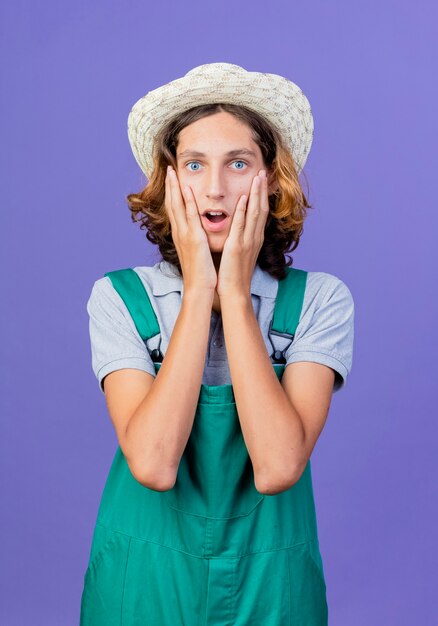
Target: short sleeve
{"x": 325, "y": 333}
{"x": 115, "y": 341}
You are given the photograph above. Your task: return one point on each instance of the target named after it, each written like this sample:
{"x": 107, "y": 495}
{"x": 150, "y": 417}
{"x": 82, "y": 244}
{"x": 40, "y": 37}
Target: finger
{"x": 178, "y": 206}
{"x": 238, "y": 222}
{"x": 168, "y": 202}
{"x": 192, "y": 212}
{"x": 253, "y": 211}
{"x": 264, "y": 209}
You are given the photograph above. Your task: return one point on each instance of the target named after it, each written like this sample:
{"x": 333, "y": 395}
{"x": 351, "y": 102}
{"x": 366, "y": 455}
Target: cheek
{"x": 184, "y": 179}
{"x": 244, "y": 184}
{"x": 244, "y": 188}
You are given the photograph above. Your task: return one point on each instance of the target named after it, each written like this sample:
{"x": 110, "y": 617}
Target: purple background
{"x": 70, "y": 74}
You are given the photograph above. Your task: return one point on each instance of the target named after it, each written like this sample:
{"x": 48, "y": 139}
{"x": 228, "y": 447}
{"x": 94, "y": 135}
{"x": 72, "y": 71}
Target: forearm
{"x": 272, "y": 429}
{"x": 159, "y": 429}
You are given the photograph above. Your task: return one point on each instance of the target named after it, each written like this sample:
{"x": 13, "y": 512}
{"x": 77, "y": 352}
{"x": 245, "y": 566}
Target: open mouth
{"x": 214, "y": 221}
{"x": 215, "y": 217}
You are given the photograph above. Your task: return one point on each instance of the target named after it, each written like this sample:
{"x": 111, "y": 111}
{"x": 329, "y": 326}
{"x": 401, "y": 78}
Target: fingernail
{"x": 262, "y": 174}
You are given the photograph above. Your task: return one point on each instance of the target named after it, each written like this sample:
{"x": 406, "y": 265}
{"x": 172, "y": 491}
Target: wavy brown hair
{"x": 287, "y": 205}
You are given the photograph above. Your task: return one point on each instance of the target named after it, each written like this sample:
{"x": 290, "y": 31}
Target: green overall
{"x": 211, "y": 551}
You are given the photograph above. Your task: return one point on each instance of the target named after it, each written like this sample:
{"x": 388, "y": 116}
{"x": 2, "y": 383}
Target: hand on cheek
{"x": 245, "y": 239}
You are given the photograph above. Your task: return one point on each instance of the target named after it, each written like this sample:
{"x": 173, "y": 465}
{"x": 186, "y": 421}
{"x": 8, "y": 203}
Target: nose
{"x": 215, "y": 184}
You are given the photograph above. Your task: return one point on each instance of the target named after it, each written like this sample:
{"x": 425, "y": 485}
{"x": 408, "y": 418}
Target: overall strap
{"x": 287, "y": 310}
{"x": 288, "y": 305}
{"x": 131, "y": 289}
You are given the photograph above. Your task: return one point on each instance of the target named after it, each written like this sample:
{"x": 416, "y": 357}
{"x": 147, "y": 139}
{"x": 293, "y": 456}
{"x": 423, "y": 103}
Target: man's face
{"x": 217, "y": 179}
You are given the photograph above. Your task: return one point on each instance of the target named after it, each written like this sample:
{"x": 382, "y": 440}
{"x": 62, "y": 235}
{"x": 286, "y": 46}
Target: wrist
{"x": 197, "y": 295}
{"x": 235, "y": 298}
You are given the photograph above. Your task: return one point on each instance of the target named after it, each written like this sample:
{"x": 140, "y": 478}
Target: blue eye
{"x": 197, "y": 163}
{"x": 191, "y": 163}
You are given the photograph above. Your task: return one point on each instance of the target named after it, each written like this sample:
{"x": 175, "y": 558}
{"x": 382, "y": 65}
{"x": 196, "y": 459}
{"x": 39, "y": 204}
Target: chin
{"x": 217, "y": 249}
{"x": 219, "y": 238}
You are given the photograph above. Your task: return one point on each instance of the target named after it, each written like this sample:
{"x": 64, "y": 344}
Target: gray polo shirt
{"x": 324, "y": 334}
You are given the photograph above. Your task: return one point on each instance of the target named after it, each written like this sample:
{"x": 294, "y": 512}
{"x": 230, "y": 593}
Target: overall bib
{"x": 211, "y": 551}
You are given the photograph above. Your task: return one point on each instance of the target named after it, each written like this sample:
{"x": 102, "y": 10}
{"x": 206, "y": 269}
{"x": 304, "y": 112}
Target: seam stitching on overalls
{"x": 315, "y": 565}
{"x": 233, "y": 599}
{"x": 230, "y": 593}
{"x": 205, "y": 539}
{"x": 124, "y": 580}
{"x": 98, "y": 556}
{"x": 197, "y": 556}
{"x": 204, "y": 622}
{"x": 289, "y": 589}
{"x": 217, "y": 518}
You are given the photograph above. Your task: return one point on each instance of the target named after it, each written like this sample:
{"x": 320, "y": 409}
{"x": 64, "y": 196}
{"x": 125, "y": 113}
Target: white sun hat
{"x": 276, "y": 98}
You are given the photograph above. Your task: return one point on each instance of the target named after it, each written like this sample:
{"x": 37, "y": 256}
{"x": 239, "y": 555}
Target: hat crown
{"x": 280, "y": 101}
{"x": 220, "y": 67}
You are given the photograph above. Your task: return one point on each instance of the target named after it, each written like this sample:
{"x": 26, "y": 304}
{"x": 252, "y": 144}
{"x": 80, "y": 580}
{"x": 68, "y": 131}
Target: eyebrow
{"x": 230, "y": 153}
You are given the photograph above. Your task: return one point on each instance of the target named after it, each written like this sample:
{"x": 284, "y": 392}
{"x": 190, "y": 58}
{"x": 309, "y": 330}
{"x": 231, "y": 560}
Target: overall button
{"x": 217, "y": 344}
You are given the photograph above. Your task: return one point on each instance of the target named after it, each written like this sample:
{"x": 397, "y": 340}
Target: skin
{"x": 280, "y": 420}
{"x": 217, "y": 182}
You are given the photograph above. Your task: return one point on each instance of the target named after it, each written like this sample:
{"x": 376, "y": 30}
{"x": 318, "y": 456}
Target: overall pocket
{"x": 104, "y": 579}
{"x": 215, "y": 476}
{"x": 229, "y": 495}
{"x": 307, "y": 587}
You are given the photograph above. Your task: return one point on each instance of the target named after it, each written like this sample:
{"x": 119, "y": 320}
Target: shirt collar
{"x": 167, "y": 279}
